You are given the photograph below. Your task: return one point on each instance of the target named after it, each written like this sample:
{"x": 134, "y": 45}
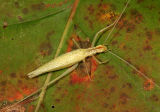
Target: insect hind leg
{"x": 77, "y": 45}
{"x": 84, "y": 62}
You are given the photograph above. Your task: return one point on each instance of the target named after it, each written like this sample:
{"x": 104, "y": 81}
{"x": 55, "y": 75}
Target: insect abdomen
{"x": 60, "y": 62}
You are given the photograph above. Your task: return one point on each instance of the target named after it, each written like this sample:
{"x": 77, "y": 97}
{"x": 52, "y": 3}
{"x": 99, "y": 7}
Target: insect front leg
{"x": 100, "y": 32}
{"x": 89, "y": 75}
{"x": 99, "y": 61}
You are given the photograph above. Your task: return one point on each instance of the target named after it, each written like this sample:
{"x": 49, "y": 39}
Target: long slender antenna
{"x": 133, "y": 67}
{"x": 117, "y": 21}
{"x": 99, "y": 32}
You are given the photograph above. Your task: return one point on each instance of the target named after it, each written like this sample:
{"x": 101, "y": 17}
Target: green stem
{"x": 44, "y": 88}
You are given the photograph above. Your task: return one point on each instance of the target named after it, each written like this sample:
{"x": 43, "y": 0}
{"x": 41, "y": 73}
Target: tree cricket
{"x": 67, "y": 60}
{"x": 74, "y": 57}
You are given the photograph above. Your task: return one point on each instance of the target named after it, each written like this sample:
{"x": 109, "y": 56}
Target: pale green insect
{"x": 67, "y": 60}
{"x": 73, "y": 57}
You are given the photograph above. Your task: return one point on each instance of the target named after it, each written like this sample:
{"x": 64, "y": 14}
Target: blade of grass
{"x": 44, "y": 88}
{"x": 40, "y": 18}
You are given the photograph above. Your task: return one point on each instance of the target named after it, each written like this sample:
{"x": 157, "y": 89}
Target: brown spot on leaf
{"x": 151, "y": 7}
{"x": 117, "y": 34}
{"x": 75, "y": 26}
{"x": 90, "y": 9}
{"x": 25, "y": 11}
{"x": 111, "y": 73}
{"x": 31, "y": 108}
{"x": 49, "y": 34}
{"x": 113, "y": 107}
{"x": 86, "y": 18}
{"x": 130, "y": 27}
{"x": 20, "y": 18}
{"x": 112, "y": 89}
{"x": 80, "y": 75}
{"x": 124, "y": 98}
{"x": 105, "y": 105}
{"x": 70, "y": 45}
{"x": 1, "y": 72}
{"x": 136, "y": 16}
{"x": 5, "y": 24}
{"x": 129, "y": 60}
{"x": 3, "y": 83}
{"x": 39, "y": 6}
{"x": 43, "y": 107}
{"x": 154, "y": 98}
{"x": 139, "y": 1}
{"x": 57, "y": 100}
{"x": 16, "y": 4}
{"x": 103, "y": 7}
{"x": 147, "y": 41}
{"x": 149, "y": 35}
{"x": 101, "y": 13}
{"x": 128, "y": 85}
{"x": 45, "y": 49}
{"x": 3, "y": 89}
{"x": 113, "y": 77}
{"x": 20, "y": 82}
{"x": 26, "y": 89}
{"x": 114, "y": 42}
{"x": 122, "y": 22}
{"x": 147, "y": 48}
{"x": 90, "y": 24}
{"x": 122, "y": 46}
{"x": 148, "y": 85}
{"x": 104, "y": 13}
{"x": 157, "y": 31}
{"x": 141, "y": 69}
{"x": 13, "y": 75}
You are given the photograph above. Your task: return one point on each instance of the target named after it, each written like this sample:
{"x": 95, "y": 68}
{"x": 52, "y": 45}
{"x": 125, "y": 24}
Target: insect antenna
{"x": 129, "y": 64}
{"x": 133, "y": 67}
{"x": 116, "y": 21}
{"x": 107, "y": 27}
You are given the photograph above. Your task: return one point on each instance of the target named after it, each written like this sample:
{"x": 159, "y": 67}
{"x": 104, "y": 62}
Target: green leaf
{"x": 30, "y": 32}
